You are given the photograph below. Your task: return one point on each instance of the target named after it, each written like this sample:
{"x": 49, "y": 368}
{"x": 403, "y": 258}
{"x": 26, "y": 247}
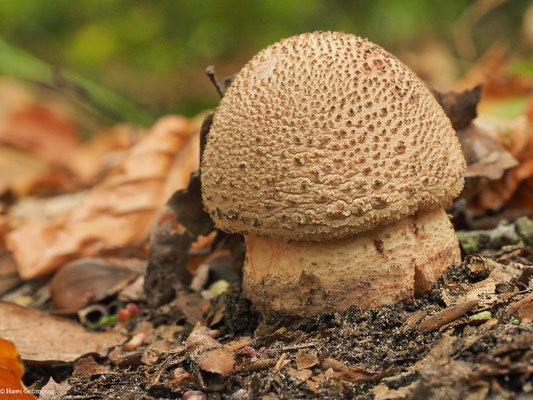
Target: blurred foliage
{"x": 156, "y": 52}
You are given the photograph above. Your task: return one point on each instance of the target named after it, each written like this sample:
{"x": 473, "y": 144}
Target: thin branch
{"x": 210, "y": 71}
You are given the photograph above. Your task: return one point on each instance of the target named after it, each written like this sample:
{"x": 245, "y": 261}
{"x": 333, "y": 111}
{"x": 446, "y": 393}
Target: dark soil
{"x": 377, "y": 354}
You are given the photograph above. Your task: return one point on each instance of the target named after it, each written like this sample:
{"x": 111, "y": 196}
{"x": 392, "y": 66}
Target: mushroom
{"x": 335, "y": 161}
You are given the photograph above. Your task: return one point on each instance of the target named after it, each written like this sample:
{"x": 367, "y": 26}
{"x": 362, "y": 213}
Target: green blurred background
{"x": 155, "y": 53}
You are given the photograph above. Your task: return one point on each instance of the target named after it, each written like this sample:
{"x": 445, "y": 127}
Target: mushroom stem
{"x": 392, "y": 263}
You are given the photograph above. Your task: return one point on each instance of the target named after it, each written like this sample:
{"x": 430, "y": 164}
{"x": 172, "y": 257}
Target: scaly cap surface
{"x": 327, "y": 135}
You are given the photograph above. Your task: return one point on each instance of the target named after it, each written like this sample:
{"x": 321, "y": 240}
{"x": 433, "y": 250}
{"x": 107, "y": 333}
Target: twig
{"x": 160, "y": 369}
{"x": 446, "y": 316}
{"x": 257, "y": 365}
{"x": 280, "y": 362}
{"x": 514, "y": 307}
{"x": 210, "y": 71}
{"x": 299, "y": 346}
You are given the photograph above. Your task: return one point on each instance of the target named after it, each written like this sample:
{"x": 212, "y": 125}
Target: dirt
{"x": 376, "y": 354}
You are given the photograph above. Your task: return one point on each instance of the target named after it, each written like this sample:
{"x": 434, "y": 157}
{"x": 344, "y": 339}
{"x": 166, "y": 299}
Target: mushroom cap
{"x": 326, "y": 135}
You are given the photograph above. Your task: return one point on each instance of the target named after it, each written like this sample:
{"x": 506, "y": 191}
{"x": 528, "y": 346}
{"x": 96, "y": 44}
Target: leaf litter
{"x": 470, "y": 336}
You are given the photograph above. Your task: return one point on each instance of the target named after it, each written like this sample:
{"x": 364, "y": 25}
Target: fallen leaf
{"x": 301, "y": 375}
{"x": 306, "y": 359}
{"x": 360, "y": 374}
{"x": 180, "y": 376}
{"x": 313, "y": 386}
{"x": 59, "y": 339}
{"x": 201, "y": 338}
{"x": 157, "y": 349}
{"x": 115, "y": 214}
{"x": 87, "y": 367}
{"x": 11, "y": 371}
{"x": 9, "y": 359}
{"x": 103, "y": 151}
{"x": 40, "y": 130}
{"x": 217, "y": 361}
{"x": 169, "y": 248}
{"x": 460, "y": 107}
{"x": 53, "y": 390}
{"x": 208, "y": 353}
{"x": 485, "y": 156}
{"x": 192, "y": 305}
{"x": 88, "y": 280}
{"x": 19, "y": 170}
{"x": 491, "y": 71}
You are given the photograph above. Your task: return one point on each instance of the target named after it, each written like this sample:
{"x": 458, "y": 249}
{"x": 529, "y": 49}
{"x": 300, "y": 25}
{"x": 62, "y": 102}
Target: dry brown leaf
{"x": 87, "y": 280}
{"x": 301, "y": 375}
{"x": 53, "y": 390}
{"x": 40, "y": 130}
{"x": 207, "y": 352}
{"x": 19, "y": 170}
{"x": 491, "y": 71}
{"x": 102, "y": 152}
{"x": 360, "y": 374}
{"x": 201, "y": 338}
{"x": 513, "y": 189}
{"x": 87, "y": 367}
{"x": 192, "y": 304}
{"x": 217, "y": 361}
{"x": 485, "y": 156}
{"x": 306, "y": 359}
{"x": 115, "y": 214}
{"x": 526, "y": 313}
{"x": 460, "y": 107}
{"x": 41, "y": 337}
{"x": 152, "y": 354}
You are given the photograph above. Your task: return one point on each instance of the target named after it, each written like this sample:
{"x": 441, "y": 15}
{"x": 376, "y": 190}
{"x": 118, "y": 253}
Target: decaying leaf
{"x": 53, "y": 390}
{"x": 86, "y": 367}
{"x": 208, "y": 353}
{"x": 217, "y": 361}
{"x": 460, "y": 107}
{"x": 88, "y": 280}
{"x": 102, "y": 152}
{"x": 58, "y": 339}
{"x": 485, "y": 156}
{"x": 40, "y": 130}
{"x": 305, "y": 359}
{"x": 491, "y": 71}
{"x": 300, "y": 374}
{"x": 19, "y": 170}
{"x": 115, "y": 214}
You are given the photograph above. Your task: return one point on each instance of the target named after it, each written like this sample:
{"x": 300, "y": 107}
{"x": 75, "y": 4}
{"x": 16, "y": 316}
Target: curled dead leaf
{"x": 83, "y": 281}
{"x": 208, "y": 353}
{"x": 217, "y": 361}
{"x": 117, "y": 213}
{"x": 59, "y": 339}
{"x": 306, "y": 359}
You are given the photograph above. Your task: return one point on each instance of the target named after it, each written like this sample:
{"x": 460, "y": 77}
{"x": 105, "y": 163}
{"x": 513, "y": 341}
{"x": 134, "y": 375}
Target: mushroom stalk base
{"x": 392, "y": 263}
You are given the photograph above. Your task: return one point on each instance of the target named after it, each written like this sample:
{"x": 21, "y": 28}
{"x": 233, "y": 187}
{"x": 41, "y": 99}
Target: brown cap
{"x": 327, "y": 135}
